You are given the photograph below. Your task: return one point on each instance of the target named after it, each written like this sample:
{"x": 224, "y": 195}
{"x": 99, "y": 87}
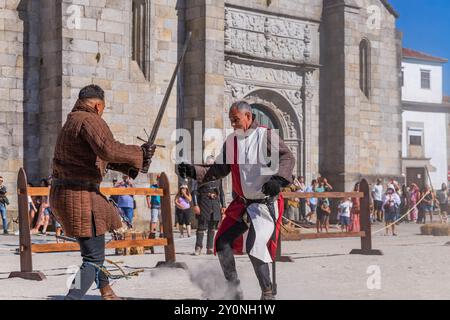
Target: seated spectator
{"x": 44, "y": 211}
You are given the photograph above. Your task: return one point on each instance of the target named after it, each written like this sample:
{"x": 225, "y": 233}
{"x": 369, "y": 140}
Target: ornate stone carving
{"x": 257, "y": 73}
{"x": 266, "y": 36}
{"x": 293, "y": 96}
{"x": 238, "y": 90}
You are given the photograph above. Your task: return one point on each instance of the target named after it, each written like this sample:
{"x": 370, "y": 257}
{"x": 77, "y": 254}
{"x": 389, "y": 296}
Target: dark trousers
{"x": 302, "y": 209}
{"x": 208, "y": 225}
{"x": 227, "y": 261}
{"x": 93, "y": 254}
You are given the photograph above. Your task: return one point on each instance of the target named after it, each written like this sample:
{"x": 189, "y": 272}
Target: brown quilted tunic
{"x": 83, "y": 150}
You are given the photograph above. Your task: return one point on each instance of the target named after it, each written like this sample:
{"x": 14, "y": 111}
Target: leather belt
{"x": 248, "y": 202}
{"x": 75, "y": 183}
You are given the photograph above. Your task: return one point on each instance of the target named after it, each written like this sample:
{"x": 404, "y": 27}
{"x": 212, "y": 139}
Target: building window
{"x": 403, "y": 77}
{"x": 364, "y": 67}
{"x": 415, "y": 136}
{"x": 141, "y": 35}
{"x": 425, "y": 79}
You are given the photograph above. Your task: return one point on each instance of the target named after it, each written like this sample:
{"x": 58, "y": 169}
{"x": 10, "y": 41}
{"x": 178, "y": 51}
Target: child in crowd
{"x": 344, "y": 209}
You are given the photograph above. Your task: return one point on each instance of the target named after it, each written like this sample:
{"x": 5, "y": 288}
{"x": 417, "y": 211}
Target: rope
{"x": 111, "y": 276}
{"x": 401, "y": 218}
{"x": 295, "y": 224}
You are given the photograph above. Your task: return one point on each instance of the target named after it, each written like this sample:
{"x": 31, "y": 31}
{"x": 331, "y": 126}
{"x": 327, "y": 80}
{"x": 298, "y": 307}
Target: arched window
{"x": 364, "y": 67}
{"x": 140, "y": 36}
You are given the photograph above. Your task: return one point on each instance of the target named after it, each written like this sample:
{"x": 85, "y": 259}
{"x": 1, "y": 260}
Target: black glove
{"x": 272, "y": 188}
{"x": 149, "y": 152}
{"x": 186, "y": 171}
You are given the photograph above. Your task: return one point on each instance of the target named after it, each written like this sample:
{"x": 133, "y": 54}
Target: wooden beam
{"x": 330, "y": 195}
{"x": 115, "y": 244}
{"x": 55, "y": 247}
{"x": 312, "y": 236}
{"x": 120, "y": 244}
{"x": 35, "y": 192}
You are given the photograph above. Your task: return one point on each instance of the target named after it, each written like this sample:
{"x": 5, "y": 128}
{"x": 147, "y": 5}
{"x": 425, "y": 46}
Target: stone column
{"x": 204, "y": 67}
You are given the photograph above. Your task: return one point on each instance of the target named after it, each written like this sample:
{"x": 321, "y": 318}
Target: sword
{"x": 159, "y": 117}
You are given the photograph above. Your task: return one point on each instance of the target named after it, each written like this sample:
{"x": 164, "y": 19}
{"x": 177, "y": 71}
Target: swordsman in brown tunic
{"x": 85, "y": 149}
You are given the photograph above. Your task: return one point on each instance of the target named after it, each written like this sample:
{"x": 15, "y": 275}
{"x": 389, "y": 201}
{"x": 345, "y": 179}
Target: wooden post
{"x": 166, "y": 214}
{"x": 279, "y": 257}
{"x": 26, "y": 263}
{"x": 366, "y": 226}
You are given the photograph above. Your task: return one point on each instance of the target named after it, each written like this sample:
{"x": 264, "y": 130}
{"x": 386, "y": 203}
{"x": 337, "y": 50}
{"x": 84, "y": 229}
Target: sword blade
{"x": 154, "y": 133}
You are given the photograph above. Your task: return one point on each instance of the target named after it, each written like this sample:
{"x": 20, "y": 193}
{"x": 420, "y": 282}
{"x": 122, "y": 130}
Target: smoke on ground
{"x": 209, "y": 278}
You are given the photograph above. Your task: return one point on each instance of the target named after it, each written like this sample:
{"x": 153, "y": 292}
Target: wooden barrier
{"x": 26, "y": 248}
{"x": 366, "y": 230}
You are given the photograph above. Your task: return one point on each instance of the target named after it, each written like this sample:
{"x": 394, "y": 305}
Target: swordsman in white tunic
{"x": 260, "y": 164}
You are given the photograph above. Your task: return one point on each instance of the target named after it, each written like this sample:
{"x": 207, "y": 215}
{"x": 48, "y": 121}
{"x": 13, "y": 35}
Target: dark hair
{"x": 45, "y": 181}
{"x": 92, "y": 92}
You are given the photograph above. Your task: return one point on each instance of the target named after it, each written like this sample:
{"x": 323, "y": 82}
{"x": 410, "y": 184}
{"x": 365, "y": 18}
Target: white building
{"x": 425, "y": 119}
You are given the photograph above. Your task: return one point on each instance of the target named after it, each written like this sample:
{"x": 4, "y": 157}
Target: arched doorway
{"x": 264, "y": 118}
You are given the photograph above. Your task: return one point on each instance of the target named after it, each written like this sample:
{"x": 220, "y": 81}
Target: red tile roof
{"x": 409, "y": 53}
{"x": 446, "y": 99}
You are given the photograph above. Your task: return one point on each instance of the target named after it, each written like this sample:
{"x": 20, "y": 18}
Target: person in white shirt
{"x": 344, "y": 214}
{"x": 377, "y": 194}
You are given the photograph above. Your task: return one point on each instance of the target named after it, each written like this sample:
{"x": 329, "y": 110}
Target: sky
{"x": 426, "y": 27}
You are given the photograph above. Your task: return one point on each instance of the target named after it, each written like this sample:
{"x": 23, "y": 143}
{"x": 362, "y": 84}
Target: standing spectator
{"x": 292, "y": 204}
{"x": 209, "y": 208}
{"x": 32, "y": 210}
{"x": 391, "y": 204}
{"x": 154, "y": 204}
{"x": 3, "y": 203}
{"x": 323, "y": 206}
{"x": 426, "y": 206}
{"x": 377, "y": 194}
{"x": 414, "y": 197}
{"x": 301, "y": 187}
{"x": 312, "y": 202}
{"x": 404, "y": 197}
{"x": 442, "y": 197}
{"x": 183, "y": 210}
{"x": 126, "y": 203}
{"x": 355, "y": 212}
{"x": 344, "y": 209}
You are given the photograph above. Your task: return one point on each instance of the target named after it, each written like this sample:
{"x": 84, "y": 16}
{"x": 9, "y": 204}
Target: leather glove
{"x": 186, "y": 171}
{"x": 149, "y": 152}
{"x": 272, "y": 188}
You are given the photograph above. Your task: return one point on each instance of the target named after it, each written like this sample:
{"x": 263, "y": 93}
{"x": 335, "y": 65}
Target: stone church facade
{"x": 321, "y": 71}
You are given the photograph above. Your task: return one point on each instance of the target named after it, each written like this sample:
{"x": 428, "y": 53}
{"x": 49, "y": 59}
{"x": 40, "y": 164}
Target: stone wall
{"x": 100, "y": 52}
{"x": 11, "y": 93}
{"x": 368, "y": 130}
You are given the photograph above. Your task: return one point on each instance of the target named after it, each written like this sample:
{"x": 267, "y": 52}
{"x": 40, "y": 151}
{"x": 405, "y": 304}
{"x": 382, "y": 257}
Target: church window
{"x": 141, "y": 35}
{"x": 364, "y": 67}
